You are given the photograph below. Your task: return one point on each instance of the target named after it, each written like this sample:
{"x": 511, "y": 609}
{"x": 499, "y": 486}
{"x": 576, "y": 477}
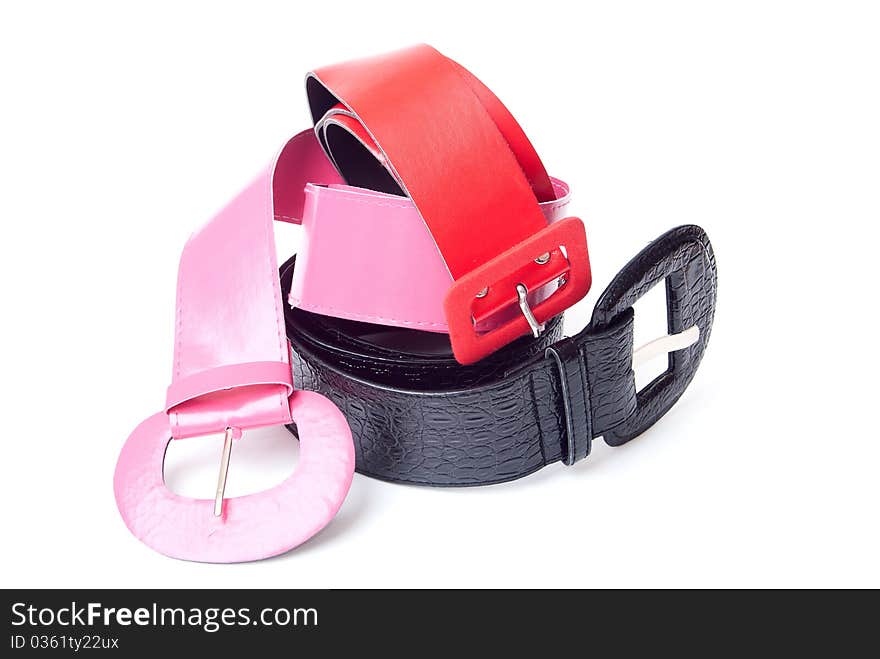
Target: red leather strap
{"x": 417, "y": 120}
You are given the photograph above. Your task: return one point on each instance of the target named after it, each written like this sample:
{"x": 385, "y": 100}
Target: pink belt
{"x": 446, "y": 257}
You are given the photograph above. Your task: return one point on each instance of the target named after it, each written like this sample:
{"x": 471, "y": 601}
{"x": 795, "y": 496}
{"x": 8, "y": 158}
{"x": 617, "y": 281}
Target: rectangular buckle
{"x": 505, "y": 281}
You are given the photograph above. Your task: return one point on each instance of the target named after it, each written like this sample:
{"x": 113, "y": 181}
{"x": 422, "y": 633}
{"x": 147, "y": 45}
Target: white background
{"x": 124, "y": 129}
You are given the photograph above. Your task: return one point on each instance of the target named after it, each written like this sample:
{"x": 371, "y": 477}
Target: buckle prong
{"x": 521, "y": 294}
{"x": 665, "y": 345}
{"x": 565, "y": 241}
{"x": 231, "y": 433}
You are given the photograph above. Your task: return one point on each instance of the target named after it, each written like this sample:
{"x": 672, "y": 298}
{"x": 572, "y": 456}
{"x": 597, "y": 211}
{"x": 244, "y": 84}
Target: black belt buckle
{"x": 684, "y": 258}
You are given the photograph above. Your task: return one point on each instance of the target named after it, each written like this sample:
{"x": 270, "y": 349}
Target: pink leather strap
{"x": 380, "y": 243}
{"x": 229, "y": 313}
{"x": 301, "y": 161}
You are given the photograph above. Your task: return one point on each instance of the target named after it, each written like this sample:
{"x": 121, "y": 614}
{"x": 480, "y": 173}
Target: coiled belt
{"x": 417, "y": 416}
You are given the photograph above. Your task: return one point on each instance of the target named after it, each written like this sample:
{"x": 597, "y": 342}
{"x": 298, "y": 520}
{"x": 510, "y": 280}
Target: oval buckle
{"x": 683, "y": 257}
{"x": 249, "y": 527}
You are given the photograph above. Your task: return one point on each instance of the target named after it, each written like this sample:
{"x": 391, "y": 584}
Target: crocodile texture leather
{"x": 684, "y": 258}
{"x": 417, "y": 416}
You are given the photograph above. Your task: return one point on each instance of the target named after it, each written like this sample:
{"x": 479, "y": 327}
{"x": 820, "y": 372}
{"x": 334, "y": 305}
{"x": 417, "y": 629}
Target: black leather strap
{"x": 417, "y": 416}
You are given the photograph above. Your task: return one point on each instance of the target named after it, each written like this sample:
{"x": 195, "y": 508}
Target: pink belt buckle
{"x": 250, "y": 527}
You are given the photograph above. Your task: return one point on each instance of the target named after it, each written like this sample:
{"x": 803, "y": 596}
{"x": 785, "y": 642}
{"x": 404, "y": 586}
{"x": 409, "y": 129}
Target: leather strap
{"x": 417, "y": 416}
{"x": 414, "y": 122}
{"x": 395, "y": 103}
{"x": 216, "y": 275}
{"x": 232, "y": 372}
{"x": 379, "y": 241}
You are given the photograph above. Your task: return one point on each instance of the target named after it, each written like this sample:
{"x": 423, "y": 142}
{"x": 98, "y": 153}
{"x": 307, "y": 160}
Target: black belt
{"x": 417, "y": 416}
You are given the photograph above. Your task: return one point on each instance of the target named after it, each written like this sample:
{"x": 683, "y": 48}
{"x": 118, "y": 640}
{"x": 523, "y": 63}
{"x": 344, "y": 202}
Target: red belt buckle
{"x": 535, "y": 261}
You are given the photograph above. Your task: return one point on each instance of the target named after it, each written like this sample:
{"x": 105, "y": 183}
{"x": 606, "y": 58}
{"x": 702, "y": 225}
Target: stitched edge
{"x": 274, "y": 283}
{"x": 318, "y": 308}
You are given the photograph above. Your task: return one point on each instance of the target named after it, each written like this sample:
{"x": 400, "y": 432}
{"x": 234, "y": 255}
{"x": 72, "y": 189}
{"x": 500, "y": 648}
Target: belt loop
{"x": 574, "y": 388}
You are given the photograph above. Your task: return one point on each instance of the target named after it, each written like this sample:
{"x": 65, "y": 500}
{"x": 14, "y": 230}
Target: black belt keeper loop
{"x": 575, "y": 389}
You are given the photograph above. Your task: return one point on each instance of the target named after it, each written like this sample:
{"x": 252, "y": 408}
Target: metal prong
{"x": 224, "y": 471}
{"x": 666, "y": 344}
{"x": 522, "y": 296}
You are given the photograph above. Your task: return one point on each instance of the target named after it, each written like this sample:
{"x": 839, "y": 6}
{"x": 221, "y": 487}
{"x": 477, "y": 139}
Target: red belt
{"x": 414, "y": 122}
